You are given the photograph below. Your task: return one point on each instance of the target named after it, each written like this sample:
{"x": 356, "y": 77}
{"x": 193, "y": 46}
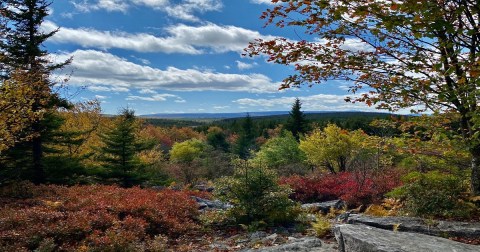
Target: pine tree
{"x": 297, "y": 124}
{"x": 246, "y": 139}
{"x": 119, "y": 153}
{"x": 21, "y": 51}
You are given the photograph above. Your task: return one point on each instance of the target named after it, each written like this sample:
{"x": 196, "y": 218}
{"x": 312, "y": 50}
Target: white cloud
{"x": 262, "y": 1}
{"x": 318, "y": 102}
{"x": 185, "y": 10}
{"x": 350, "y": 44}
{"x": 181, "y": 39}
{"x": 109, "y": 5}
{"x": 107, "y": 89}
{"x": 100, "y": 97}
{"x": 147, "y": 91}
{"x": 242, "y": 65}
{"x": 155, "y": 97}
{"x": 143, "y": 61}
{"x": 101, "y": 71}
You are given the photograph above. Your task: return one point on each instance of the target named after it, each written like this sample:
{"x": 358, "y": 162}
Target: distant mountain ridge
{"x": 239, "y": 115}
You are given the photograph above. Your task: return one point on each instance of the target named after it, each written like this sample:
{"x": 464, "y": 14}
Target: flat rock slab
{"x": 418, "y": 225}
{"x": 204, "y": 204}
{"x": 305, "y": 244}
{"x": 361, "y": 238}
{"x": 324, "y": 207}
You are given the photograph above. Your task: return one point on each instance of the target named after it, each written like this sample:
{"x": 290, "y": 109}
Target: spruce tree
{"x": 297, "y": 123}
{"x": 21, "y": 51}
{"x": 120, "y": 149}
{"x": 246, "y": 139}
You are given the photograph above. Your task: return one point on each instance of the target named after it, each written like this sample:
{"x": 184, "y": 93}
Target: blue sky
{"x": 177, "y": 56}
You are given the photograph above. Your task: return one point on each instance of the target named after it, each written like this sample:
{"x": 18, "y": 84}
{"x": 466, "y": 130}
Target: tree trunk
{"x": 37, "y": 153}
{"x": 342, "y": 164}
{"x": 475, "y": 180}
{"x": 330, "y": 167}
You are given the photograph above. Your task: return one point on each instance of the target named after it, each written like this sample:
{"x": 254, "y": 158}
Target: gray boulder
{"x": 204, "y": 204}
{"x": 361, "y": 238}
{"x": 203, "y": 188}
{"x": 419, "y": 225}
{"x": 324, "y": 207}
{"x": 305, "y": 244}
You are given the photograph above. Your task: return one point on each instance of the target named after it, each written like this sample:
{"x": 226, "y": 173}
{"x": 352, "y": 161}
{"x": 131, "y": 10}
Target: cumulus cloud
{"x": 155, "y": 97}
{"x": 262, "y": 1}
{"x": 100, "y": 97}
{"x": 96, "y": 88}
{"x": 147, "y": 91}
{"x": 350, "y": 44}
{"x": 318, "y": 102}
{"x": 103, "y": 71}
{"x": 180, "y": 39}
{"x": 243, "y": 66}
{"x": 185, "y": 9}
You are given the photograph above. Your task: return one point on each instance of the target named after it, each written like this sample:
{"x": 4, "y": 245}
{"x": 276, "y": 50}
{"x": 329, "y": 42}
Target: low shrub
{"x": 322, "y": 226}
{"x": 433, "y": 194}
{"x": 257, "y": 197}
{"x": 355, "y": 188}
{"x": 94, "y": 218}
{"x": 377, "y": 210}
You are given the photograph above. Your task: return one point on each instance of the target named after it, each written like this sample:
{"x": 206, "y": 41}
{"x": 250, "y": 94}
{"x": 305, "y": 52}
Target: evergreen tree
{"x": 21, "y": 51}
{"x": 119, "y": 153}
{"x": 297, "y": 124}
{"x": 217, "y": 139}
{"x": 246, "y": 140}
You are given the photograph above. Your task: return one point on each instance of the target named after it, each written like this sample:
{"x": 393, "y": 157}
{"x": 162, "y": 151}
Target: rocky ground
{"x": 256, "y": 241}
{"x": 351, "y": 233}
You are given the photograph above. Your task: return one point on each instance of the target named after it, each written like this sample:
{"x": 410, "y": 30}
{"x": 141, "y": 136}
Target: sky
{"x": 177, "y": 56}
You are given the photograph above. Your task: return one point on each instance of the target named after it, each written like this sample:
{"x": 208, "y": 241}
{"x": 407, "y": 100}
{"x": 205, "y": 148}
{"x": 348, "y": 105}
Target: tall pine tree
{"x": 297, "y": 123}
{"x": 21, "y": 51}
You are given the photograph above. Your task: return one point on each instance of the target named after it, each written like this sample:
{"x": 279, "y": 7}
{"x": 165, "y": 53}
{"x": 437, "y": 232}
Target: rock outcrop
{"x": 305, "y": 244}
{"x": 324, "y": 207}
{"x": 418, "y": 225}
{"x": 204, "y": 204}
{"x": 362, "y": 238}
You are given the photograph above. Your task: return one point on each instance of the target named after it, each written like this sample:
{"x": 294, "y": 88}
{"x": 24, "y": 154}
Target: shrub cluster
{"x": 257, "y": 197}
{"x": 434, "y": 194}
{"x": 355, "y": 188}
{"x": 92, "y": 218}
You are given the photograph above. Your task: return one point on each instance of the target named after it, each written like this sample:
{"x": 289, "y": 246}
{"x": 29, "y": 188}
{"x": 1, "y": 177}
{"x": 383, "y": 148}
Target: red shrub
{"x": 93, "y": 216}
{"x": 353, "y": 187}
{"x": 308, "y": 188}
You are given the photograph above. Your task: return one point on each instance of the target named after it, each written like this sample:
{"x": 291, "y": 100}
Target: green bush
{"x": 256, "y": 196}
{"x": 433, "y": 194}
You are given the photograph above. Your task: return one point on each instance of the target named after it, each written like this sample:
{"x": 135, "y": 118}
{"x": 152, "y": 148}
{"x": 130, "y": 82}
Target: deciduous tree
{"x": 16, "y": 113}
{"x": 331, "y": 148}
{"x": 282, "y": 154}
{"x": 414, "y": 54}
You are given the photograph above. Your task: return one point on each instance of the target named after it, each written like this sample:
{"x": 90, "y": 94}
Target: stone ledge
{"x": 418, "y": 225}
{"x": 361, "y": 238}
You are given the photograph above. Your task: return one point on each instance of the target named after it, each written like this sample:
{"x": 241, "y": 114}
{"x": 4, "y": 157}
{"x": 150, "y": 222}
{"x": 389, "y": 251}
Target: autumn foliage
{"x": 355, "y": 188}
{"x": 92, "y": 218}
